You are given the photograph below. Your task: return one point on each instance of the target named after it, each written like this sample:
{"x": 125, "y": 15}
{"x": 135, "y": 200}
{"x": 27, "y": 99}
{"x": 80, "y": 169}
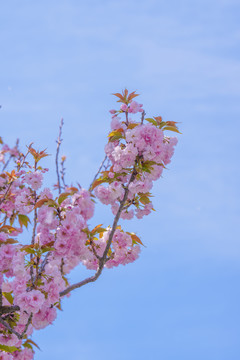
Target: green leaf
{"x": 86, "y": 231}
{"x": 115, "y": 137}
{"x": 47, "y": 248}
{"x": 144, "y": 200}
{"x": 146, "y": 169}
{"x": 132, "y": 125}
{"x": 116, "y": 132}
{"x": 152, "y": 121}
{"x": 172, "y": 128}
{"x": 27, "y": 345}
{"x": 28, "y": 248}
{"x": 9, "y": 349}
{"x": 29, "y": 341}
{"x": 23, "y": 220}
{"x": 8, "y": 296}
{"x": 63, "y": 197}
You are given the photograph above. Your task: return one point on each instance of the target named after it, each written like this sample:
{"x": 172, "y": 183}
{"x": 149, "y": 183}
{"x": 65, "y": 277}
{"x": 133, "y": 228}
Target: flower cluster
{"x": 141, "y": 146}
{"x": 33, "y": 274}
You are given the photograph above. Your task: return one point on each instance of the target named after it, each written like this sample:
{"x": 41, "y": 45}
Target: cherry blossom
{"x": 35, "y": 264}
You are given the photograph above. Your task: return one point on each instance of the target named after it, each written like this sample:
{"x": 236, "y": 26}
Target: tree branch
{"x": 9, "y": 309}
{"x": 34, "y": 227}
{"x": 27, "y": 325}
{"x": 59, "y": 141}
{"x": 62, "y": 171}
{"x": 10, "y": 157}
{"x": 142, "y": 118}
{"x": 103, "y": 258}
{"x": 7, "y": 326}
{"x": 99, "y": 170}
{"x": 11, "y": 182}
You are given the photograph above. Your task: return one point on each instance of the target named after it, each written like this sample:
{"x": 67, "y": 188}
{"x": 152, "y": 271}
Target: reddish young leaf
{"x": 40, "y": 203}
{"x": 132, "y": 96}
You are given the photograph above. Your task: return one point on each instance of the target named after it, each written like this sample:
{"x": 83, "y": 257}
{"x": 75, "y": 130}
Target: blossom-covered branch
{"x": 102, "y": 259}
{"x": 34, "y": 275}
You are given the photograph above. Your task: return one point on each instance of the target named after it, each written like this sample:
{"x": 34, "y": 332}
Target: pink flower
{"x": 5, "y": 356}
{"x": 34, "y": 179}
{"x": 124, "y": 107}
{"x": 145, "y": 211}
{"x": 115, "y": 123}
{"x": 44, "y": 317}
{"x": 84, "y": 203}
{"x": 30, "y": 301}
{"x": 25, "y": 354}
{"x": 135, "y": 107}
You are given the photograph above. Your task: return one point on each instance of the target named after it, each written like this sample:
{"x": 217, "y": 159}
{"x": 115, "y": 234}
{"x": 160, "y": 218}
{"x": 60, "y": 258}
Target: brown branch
{"x": 9, "y": 309}
{"x": 39, "y": 273}
{"x": 94, "y": 250}
{"x": 126, "y": 113}
{"x": 103, "y": 258}
{"x": 7, "y": 326}
{"x": 59, "y": 141}
{"x": 27, "y": 325}
{"x": 7, "y": 191}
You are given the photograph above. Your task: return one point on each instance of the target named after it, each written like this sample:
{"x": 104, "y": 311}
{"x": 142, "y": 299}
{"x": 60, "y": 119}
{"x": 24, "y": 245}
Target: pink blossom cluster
{"x": 139, "y": 145}
{"x": 133, "y": 108}
{"x": 33, "y": 274}
{"x": 7, "y": 152}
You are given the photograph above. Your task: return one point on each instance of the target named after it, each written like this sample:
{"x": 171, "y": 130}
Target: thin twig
{"x": 59, "y": 141}
{"x": 10, "y": 157}
{"x": 103, "y": 258}
{"x": 142, "y": 118}
{"x": 11, "y": 182}
{"x": 99, "y": 170}
{"x": 39, "y": 274}
{"x": 126, "y": 113}
{"x": 7, "y": 326}
{"x": 27, "y": 325}
{"x": 62, "y": 171}
{"x": 94, "y": 251}
{"x": 34, "y": 227}
{"x": 7, "y": 162}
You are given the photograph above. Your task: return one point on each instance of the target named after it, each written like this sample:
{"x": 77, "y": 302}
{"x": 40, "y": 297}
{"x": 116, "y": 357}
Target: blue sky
{"x": 180, "y": 300}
